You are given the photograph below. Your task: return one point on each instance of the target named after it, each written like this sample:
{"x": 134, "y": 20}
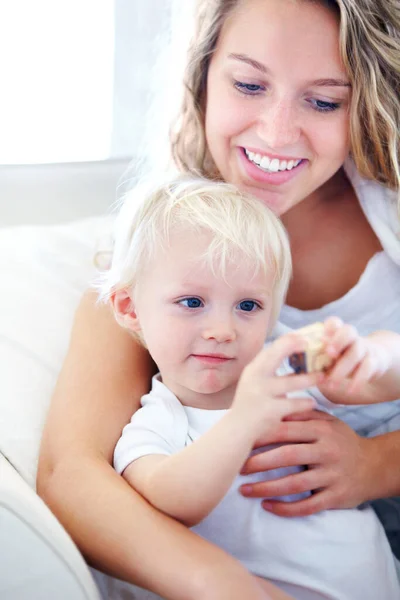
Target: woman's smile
{"x": 267, "y": 170}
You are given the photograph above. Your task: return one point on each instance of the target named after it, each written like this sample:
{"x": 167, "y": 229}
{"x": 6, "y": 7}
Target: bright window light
{"x": 57, "y": 72}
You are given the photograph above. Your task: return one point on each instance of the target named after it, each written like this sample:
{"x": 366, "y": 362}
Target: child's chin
{"x": 212, "y": 383}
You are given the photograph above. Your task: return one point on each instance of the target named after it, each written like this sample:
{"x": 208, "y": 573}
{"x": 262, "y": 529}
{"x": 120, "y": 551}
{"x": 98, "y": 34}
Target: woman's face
{"x": 277, "y": 113}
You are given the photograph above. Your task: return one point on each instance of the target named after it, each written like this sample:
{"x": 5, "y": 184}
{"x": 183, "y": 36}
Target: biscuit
{"x": 314, "y": 358}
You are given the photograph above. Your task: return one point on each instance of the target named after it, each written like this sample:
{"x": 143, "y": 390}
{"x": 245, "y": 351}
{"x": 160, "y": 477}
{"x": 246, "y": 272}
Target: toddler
{"x": 199, "y": 274}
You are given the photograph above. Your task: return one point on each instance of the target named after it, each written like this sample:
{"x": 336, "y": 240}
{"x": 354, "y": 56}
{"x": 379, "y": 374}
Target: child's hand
{"x": 358, "y": 360}
{"x": 260, "y": 398}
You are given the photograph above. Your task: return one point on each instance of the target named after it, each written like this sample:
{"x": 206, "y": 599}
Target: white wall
{"x": 58, "y": 192}
{"x": 61, "y": 192}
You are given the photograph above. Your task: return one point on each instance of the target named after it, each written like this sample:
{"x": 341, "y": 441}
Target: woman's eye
{"x": 248, "y": 305}
{"x": 324, "y": 105}
{"x": 191, "y": 302}
{"x": 250, "y": 89}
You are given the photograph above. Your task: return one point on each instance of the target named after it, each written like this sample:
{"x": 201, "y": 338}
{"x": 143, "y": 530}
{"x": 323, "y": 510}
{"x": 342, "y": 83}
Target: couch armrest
{"x": 38, "y": 558}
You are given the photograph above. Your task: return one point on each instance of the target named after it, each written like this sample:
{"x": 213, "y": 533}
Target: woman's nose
{"x": 278, "y": 125}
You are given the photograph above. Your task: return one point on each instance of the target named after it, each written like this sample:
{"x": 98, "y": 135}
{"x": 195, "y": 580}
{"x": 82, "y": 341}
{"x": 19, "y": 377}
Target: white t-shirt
{"x": 337, "y": 554}
{"x": 372, "y": 304}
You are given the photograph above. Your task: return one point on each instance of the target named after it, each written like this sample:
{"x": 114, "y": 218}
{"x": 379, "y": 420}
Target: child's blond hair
{"x": 241, "y": 228}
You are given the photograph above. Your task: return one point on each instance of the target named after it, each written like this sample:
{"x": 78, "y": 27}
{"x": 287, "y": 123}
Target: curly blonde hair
{"x": 370, "y": 50}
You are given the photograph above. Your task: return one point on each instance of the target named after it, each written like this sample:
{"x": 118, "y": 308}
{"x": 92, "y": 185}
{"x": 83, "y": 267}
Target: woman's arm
{"x": 276, "y": 594}
{"x": 103, "y": 377}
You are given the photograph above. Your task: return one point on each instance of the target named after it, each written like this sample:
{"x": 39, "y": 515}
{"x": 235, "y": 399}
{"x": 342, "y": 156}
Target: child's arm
{"x": 366, "y": 369}
{"x": 190, "y": 483}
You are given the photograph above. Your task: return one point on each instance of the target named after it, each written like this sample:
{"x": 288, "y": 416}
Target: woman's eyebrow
{"x": 250, "y": 61}
{"x": 330, "y": 83}
{"x": 324, "y": 82}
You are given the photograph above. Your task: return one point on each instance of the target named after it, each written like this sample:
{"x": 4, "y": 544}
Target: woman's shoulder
{"x": 380, "y": 206}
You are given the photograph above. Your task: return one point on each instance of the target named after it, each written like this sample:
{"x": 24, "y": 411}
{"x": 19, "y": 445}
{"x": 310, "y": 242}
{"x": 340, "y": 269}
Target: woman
{"x": 279, "y": 92}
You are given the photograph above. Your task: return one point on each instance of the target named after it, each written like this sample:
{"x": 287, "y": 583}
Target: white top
{"x": 337, "y": 554}
{"x": 372, "y": 304}
{"x": 332, "y": 552}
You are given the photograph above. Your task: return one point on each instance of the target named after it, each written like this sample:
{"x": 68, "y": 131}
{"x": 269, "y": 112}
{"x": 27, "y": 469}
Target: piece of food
{"x": 314, "y": 358}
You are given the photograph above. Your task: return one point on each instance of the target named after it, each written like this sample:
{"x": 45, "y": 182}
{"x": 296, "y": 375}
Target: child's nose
{"x": 220, "y": 329}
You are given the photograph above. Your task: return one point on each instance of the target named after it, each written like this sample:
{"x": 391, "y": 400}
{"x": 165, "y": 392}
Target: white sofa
{"x": 44, "y": 270}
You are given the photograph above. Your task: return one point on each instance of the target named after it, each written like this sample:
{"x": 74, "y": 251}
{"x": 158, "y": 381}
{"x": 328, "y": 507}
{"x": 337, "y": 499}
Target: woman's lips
{"x": 278, "y": 178}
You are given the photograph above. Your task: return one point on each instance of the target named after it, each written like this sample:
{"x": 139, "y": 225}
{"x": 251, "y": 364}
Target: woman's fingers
{"x": 312, "y": 415}
{"x": 323, "y": 500}
{"x": 296, "y": 483}
{"x": 296, "y": 428}
{"x": 339, "y": 474}
{"x": 290, "y": 455}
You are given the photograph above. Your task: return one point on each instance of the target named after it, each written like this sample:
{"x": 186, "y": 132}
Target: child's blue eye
{"x": 324, "y": 106}
{"x": 248, "y": 305}
{"x": 191, "y": 302}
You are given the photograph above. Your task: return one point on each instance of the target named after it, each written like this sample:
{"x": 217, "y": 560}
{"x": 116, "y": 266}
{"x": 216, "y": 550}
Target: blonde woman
{"x": 296, "y": 102}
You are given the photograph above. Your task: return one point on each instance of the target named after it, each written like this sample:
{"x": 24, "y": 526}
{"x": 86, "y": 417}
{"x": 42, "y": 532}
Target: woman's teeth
{"x": 271, "y": 165}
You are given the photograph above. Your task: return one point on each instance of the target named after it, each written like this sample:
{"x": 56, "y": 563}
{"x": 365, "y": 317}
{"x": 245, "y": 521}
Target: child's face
{"x": 200, "y": 329}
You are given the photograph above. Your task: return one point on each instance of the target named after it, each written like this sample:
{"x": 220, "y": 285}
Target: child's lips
{"x": 212, "y": 359}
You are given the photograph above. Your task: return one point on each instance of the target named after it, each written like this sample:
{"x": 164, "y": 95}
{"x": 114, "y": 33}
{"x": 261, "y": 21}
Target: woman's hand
{"x": 343, "y": 467}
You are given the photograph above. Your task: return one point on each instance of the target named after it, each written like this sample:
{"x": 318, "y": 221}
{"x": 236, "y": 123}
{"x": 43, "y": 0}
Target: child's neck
{"x": 208, "y": 401}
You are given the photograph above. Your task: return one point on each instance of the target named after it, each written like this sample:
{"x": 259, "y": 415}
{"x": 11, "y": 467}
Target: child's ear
{"x": 124, "y": 310}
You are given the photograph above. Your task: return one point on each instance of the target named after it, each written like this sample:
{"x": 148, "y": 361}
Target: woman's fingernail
{"x": 246, "y": 490}
{"x": 267, "y": 505}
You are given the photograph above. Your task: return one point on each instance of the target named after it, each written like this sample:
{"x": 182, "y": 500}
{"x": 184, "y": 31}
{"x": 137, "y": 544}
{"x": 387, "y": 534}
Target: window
{"x": 76, "y": 77}
{"x": 57, "y": 71}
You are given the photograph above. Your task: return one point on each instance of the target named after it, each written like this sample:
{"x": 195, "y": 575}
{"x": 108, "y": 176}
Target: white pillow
{"x": 44, "y": 271}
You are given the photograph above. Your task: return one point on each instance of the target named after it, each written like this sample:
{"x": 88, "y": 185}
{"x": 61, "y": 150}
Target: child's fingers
{"x": 340, "y": 340}
{"x": 291, "y": 406}
{"x": 271, "y": 357}
{"x": 331, "y": 326}
{"x": 348, "y": 361}
{"x": 364, "y": 373}
{"x": 280, "y": 386}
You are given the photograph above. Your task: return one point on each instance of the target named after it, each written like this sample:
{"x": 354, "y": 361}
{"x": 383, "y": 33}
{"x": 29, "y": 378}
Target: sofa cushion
{"x": 38, "y": 560}
{"x": 44, "y": 271}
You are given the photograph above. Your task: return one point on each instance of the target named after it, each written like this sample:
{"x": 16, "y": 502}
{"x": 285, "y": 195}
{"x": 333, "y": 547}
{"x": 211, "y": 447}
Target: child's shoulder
{"x": 161, "y": 410}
